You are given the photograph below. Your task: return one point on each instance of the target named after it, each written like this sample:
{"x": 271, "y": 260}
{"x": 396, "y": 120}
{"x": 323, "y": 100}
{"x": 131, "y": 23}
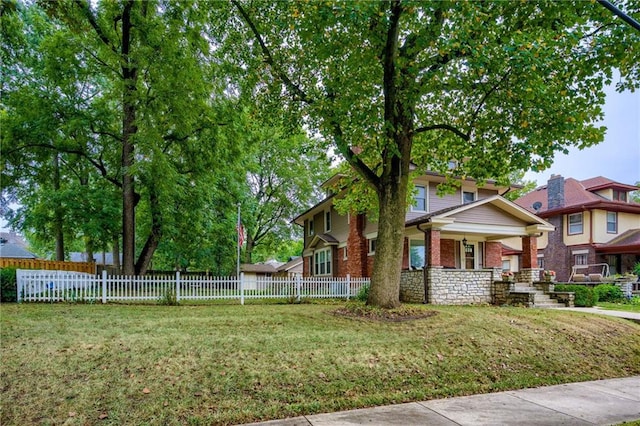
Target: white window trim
{"x": 426, "y": 198}
{"x": 316, "y": 254}
{"x": 369, "y": 252}
{"x": 472, "y": 190}
{"x": 327, "y": 228}
{"x": 569, "y": 223}
{"x": 615, "y": 222}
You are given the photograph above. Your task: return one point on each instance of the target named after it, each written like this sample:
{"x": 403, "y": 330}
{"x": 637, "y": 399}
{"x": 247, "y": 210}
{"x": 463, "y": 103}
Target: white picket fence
{"x": 59, "y": 286}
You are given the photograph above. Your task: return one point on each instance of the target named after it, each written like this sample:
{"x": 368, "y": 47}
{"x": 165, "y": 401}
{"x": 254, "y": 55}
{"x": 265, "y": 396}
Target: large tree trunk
{"x": 129, "y": 129}
{"x": 248, "y": 251}
{"x": 153, "y": 240}
{"x": 385, "y": 279}
{"x": 116, "y": 254}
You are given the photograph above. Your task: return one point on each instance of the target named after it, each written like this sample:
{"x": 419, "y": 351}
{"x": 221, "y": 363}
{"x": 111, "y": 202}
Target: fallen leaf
{"x": 322, "y": 375}
{"x": 103, "y": 416}
{"x": 166, "y": 403}
{"x": 197, "y": 394}
{"x": 146, "y": 390}
{"x": 72, "y": 413}
{"x": 223, "y": 373}
{"x": 440, "y": 357}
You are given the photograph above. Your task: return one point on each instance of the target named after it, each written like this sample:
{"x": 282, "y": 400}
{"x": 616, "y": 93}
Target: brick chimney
{"x": 555, "y": 192}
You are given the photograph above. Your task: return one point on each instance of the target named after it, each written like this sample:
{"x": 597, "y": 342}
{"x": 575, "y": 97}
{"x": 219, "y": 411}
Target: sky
{"x": 617, "y": 157}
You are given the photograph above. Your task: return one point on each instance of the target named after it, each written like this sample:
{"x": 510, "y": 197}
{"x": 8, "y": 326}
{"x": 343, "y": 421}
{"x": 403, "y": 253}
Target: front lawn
{"x": 626, "y": 306}
{"x": 221, "y": 364}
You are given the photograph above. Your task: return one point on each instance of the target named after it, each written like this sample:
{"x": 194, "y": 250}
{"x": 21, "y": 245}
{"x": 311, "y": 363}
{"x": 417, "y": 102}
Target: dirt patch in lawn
{"x": 403, "y": 313}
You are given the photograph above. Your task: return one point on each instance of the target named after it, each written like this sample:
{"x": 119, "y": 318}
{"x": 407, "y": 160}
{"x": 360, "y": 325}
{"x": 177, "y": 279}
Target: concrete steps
{"x": 540, "y": 299}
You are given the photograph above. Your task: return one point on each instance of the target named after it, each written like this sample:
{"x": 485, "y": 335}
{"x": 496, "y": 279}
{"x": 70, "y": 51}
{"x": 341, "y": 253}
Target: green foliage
{"x": 584, "y": 296}
{"x": 608, "y": 293}
{"x": 363, "y": 293}
{"x": 169, "y": 298}
{"x": 636, "y": 268}
{"x": 8, "y": 285}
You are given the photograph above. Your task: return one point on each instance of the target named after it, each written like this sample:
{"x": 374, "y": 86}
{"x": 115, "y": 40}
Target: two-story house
{"x": 456, "y": 233}
{"x": 595, "y": 224}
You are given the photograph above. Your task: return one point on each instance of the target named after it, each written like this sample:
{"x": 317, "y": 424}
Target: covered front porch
{"x": 454, "y": 256}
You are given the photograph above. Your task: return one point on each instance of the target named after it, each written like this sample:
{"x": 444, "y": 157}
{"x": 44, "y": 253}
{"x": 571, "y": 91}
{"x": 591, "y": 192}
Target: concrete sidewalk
{"x": 633, "y": 316}
{"x": 602, "y": 402}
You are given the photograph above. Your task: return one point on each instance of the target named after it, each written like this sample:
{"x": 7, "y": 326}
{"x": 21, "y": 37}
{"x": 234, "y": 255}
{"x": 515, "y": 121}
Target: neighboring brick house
{"x": 595, "y": 223}
{"x": 460, "y": 231}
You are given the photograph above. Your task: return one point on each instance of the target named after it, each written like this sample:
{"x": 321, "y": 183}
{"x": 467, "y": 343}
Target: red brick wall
{"x": 448, "y": 253}
{"x": 341, "y": 270}
{"x": 357, "y": 247}
{"x": 369, "y": 266}
{"x": 306, "y": 272}
{"x": 493, "y": 255}
{"x": 434, "y": 257}
{"x": 529, "y": 252}
{"x": 405, "y": 254}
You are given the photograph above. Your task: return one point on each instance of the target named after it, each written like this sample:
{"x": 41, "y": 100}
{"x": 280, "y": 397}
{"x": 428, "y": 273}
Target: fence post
{"x": 104, "y": 286}
{"x": 298, "y": 284}
{"x": 177, "y": 286}
{"x": 348, "y": 286}
{"x": 19, "y": 282}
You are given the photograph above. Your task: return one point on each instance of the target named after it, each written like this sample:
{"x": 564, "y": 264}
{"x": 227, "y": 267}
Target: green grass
{"x": 223, "y": 364}
{"x": 627, "y": 307}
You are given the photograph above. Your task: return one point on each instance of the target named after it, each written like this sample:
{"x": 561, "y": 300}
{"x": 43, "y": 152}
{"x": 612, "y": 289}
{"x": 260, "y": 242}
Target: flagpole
{"x": 238, "y": 230}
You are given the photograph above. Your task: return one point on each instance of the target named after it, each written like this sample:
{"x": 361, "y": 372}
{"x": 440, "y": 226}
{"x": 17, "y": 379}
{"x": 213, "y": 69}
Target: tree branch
{"x": 452, "y": 129}
{"x": 86, "y": 8}
{"x": 297, "y": 91}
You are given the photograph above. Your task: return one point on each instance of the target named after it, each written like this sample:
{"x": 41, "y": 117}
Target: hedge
{"x": 585, "y": 296}
{"x": 8, "y": 286}
{"x": 609, "y": 293}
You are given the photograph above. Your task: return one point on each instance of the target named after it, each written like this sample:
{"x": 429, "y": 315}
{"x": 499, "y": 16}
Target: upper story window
{"x": 575, "y": 223}
{"x": 468, "y": 197}
{"x": 420, "y": 199}
{"x": 327, "y": 221}
{"x": 311, "y": 228}
{"x": 612, "y": 222}
{"x": 619, "y": 195}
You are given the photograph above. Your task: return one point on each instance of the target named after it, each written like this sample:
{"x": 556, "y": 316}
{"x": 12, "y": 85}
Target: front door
{"x": 469, "y": 256}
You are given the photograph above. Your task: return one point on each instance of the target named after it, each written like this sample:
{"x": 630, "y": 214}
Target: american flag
{"x": 240, "y": 230}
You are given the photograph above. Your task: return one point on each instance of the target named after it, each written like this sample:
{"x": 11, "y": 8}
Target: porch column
{"x": 432, "y": 247}
{"x": 493, "y": 255}
{"x": 529, "y": 252}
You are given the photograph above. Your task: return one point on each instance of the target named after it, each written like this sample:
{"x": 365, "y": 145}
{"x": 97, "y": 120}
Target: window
{"x": 322, "y": 262}
{"x": 541, "y": 261}
{"x": 416, "y": 254}
{"x": 619, "y": 195}
{"x": 468, "y": 197}
{"x": 575, "y": 223}
{"x": 372, "y": 246}
{"x": 420, "y": 200}
{"x": 327, "y": 221}
{"x": 581, "y": 259}
{"x": 311, "y": 230}
{"x": 506, "y": 265}
{"x": 344, "y": 253}
{"x": 612, "y": 222}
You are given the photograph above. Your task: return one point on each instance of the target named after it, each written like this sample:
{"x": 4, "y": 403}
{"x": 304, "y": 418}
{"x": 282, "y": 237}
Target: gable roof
{"x": 261, "y": 268}
{"x": 578, "y": 196}
{"x": 14, "y": 251}
{"x": 296, "y": 261}
{"x": 497, "y": 201}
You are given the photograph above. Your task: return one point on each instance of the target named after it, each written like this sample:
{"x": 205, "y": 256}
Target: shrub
{"x": 609, "y": 293}
{"x": 8, "y": 285}
{"x": 363, "y": 293}
{"x": 169, "y": 298}
{"x": 585, "y": 296}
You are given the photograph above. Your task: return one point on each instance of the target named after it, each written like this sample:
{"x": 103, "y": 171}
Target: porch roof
{"x": 627, "y": 242}
{"x": 494, "y": 218}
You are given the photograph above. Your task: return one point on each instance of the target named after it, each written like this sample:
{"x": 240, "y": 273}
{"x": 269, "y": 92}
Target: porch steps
{"x": 540, "y": 299}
